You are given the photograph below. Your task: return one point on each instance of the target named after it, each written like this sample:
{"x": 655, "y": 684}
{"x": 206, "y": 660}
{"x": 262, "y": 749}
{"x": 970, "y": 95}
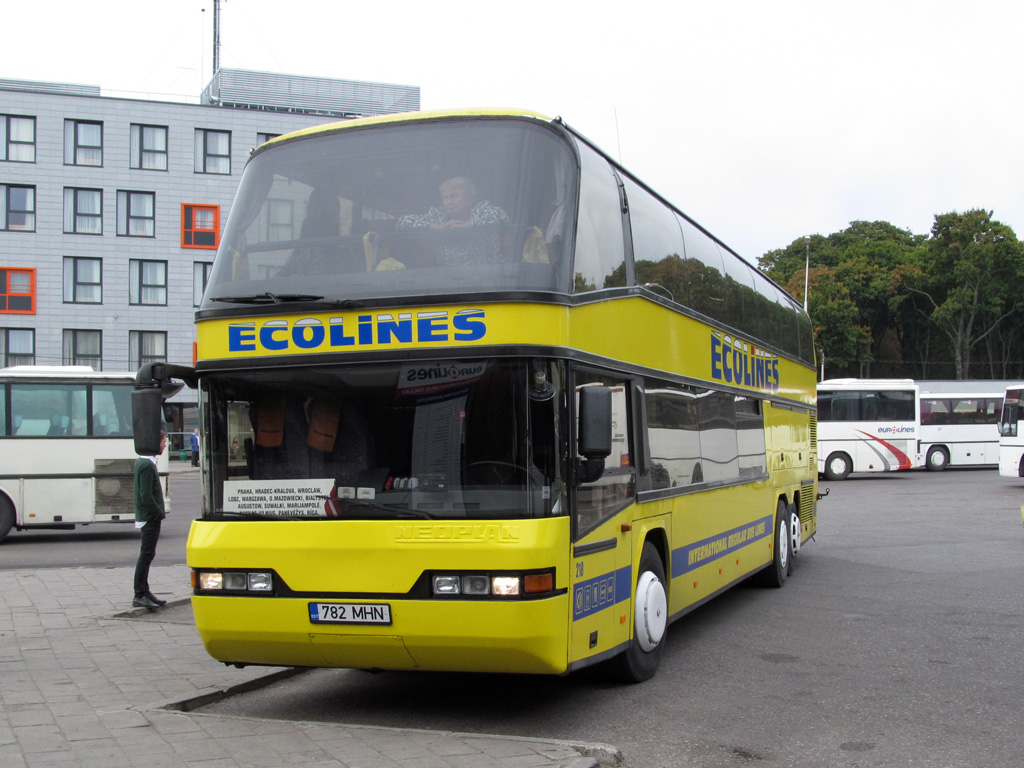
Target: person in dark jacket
{"x": 149, "y": 511}
{"x": 194, "y": 444}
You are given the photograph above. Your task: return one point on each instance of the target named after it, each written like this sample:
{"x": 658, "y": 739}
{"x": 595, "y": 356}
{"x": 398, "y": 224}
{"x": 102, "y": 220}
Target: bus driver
{"x": 460, "y": 208}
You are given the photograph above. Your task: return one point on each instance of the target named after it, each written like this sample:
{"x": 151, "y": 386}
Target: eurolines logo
{"x": 739, "y": 362}
{"x": 438, "y": 377}
{"x": 312, "y": 334}
{"x": 897, "y": 429}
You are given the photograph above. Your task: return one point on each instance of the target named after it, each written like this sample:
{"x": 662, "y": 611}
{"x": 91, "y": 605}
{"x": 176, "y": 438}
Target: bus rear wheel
{"x": 782, "y": 552}
{"x": 838, "y": 466}
{"x": 6, "y": 517}
{"x": 937, "y": 459}
{"x": 642, "y": 656}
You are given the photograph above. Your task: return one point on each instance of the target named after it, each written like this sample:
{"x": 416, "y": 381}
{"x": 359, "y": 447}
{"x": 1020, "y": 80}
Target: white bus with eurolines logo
{"x": 868, "y": 425}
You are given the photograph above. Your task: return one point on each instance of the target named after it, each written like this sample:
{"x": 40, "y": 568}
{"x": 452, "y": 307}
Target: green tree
{"x": 967, "y": 281}
{"x": 859, "y": 311}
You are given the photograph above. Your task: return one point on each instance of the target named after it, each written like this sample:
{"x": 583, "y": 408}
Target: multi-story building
{"x": 111, "y": 209}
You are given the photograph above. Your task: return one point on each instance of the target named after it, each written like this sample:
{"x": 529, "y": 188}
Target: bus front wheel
{"x": 937, "y": 459}
{"x": 838, "y": 466}
{"x": 6, "y": 517}
{"x": 640, "y": 660}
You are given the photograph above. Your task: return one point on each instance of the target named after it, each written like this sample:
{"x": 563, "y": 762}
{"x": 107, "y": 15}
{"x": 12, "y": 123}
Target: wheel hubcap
{"x": 651, "y": 611}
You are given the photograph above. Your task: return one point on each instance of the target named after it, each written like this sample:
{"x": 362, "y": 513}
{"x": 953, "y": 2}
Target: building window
{"x": 17, "y": 346}
{"x": 200, "y": 226}
{"x": 146, "y": 347}
{"x": 136, "y": 214}
{"x": 147, "y": 282}
{"x": 213, "y": 151}
{"x": 148, "y": 147}
{"x": 18, "y": 212}
{"x": 83, "y": 211}
{"x": 83, "y": 348}
{"x": 17, "y": 291}
{"x": 17, "y": 139}
{"x": 83, "y": 280}
{"x": 83, "y": 143}
{"x": 263, "y": 138}
{"x": 200, "y": 277}
{"x": 280, "y": 215}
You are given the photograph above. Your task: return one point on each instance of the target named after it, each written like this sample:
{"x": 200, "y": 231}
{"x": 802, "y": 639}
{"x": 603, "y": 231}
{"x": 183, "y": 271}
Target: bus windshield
{"x": 421, "y": 208}
{"x": 451, "y": 439}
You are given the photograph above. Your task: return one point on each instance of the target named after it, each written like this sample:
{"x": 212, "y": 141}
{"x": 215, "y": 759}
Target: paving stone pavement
{"x": 87, "y": 681}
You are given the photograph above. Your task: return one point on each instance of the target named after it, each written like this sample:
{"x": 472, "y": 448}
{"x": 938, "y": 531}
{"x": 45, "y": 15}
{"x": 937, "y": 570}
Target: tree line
{"x": 887, "y": 303}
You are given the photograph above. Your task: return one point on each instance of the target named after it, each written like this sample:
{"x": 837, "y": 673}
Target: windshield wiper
{"x": 258, "y": 516}
{"x": 287, "y": 298}
{"x": 268, "y": 298}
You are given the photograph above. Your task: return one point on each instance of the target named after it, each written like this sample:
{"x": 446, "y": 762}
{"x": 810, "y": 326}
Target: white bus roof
{"x": 61, "y": 372}
{"x": 867, "y": 384}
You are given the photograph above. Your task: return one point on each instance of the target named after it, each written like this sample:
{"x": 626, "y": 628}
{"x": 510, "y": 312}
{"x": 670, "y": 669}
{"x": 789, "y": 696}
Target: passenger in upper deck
{"x": 461, "y": 207}
{"x": 322, "y": 253}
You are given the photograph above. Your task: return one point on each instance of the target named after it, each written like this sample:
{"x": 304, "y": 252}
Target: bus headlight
{"x": 447, "y": 585}
{"x": 505, "y": 585}
{"x": 494, "y": 585}
{"x": 233, "y": 581}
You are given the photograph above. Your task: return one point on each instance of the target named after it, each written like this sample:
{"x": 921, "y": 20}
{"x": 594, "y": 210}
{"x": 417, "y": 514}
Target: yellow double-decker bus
{"x": 475, "y": 398}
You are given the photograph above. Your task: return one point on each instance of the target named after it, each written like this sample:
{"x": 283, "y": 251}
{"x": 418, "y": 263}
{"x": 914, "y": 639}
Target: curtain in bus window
{"x": 718, "y": 440}
{"x": 750, "y": 436}
{"x": 673, "y": 434}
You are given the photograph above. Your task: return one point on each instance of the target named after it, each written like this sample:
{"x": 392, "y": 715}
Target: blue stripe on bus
{"x": 600, "y": 592}
{"x": 692, "y": 556}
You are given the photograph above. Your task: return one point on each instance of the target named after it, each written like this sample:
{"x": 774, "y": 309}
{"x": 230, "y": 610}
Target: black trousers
{"x": 147, "y": 551}
{"x": 195, "y": 458}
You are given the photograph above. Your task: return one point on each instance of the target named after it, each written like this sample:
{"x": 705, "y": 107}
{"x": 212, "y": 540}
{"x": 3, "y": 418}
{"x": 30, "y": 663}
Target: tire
{"x": 937, "y": 459}
{"x": 795, "y": 535}
{"x": 838, "y": 466}
{"x": 6, "y": 517}
{"x": 642, "y": 656}
{"x": 782, "y": 553}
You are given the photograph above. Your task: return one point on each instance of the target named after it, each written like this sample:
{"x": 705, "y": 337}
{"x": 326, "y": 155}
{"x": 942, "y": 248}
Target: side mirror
{"x": 147, "y": 411}
{"x": 594, "y": 443}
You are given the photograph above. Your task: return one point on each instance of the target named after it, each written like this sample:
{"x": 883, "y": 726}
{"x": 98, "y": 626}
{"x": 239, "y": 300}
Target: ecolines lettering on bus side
{"x": 308, "y": 334}
{"x": 738, "y": 362}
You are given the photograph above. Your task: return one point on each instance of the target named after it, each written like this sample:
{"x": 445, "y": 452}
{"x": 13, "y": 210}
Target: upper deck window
{"x": 425, "y": 208}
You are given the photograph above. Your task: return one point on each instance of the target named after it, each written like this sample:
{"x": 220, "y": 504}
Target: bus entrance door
{"x": 602, "y": 582}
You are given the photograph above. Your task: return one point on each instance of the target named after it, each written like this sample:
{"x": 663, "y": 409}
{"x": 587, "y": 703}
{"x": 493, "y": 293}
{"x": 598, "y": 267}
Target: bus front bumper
{"x": 522, "y": 636}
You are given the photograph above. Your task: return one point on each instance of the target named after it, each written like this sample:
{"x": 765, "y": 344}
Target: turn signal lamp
{"x": 499, "y": 585}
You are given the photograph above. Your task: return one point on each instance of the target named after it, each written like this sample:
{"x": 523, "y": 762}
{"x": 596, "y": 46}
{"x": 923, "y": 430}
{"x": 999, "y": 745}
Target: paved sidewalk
{"x": 87, "y": 681}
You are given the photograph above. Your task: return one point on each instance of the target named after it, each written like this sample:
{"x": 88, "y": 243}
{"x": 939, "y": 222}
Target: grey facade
{"x": 111, "y": 207}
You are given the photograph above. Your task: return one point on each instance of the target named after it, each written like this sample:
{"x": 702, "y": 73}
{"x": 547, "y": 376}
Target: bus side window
{"x": 600, "y": 256}
{"x": 613, "y": 490}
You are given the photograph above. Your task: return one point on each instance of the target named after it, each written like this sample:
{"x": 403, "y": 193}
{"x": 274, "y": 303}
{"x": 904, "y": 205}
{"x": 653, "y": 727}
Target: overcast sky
{"x": 764, "y": 121}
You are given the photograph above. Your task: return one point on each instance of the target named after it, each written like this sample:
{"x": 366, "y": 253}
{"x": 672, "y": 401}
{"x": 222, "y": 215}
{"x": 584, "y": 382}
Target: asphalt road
{"x": 897, "y": 642}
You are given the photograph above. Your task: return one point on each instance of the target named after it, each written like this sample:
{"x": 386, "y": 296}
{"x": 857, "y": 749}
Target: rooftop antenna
{"x": 216, "y": 37}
